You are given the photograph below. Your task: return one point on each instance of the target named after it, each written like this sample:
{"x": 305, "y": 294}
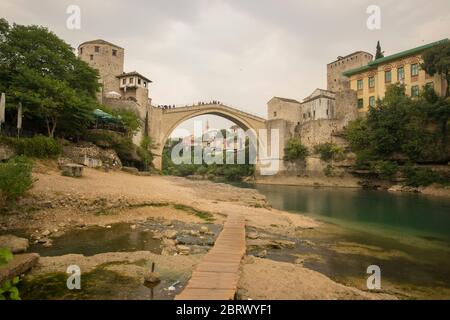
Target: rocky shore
{"x": 185, "y": 216}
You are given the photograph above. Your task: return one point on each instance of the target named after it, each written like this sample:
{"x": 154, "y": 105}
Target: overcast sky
{"x": 241, "y": 52}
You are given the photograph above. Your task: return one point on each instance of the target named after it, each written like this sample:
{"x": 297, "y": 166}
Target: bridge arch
{"x": 169, "y": 119}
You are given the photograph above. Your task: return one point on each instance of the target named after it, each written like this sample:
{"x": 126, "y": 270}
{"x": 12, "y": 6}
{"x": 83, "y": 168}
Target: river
{"x": 407, "y": 235}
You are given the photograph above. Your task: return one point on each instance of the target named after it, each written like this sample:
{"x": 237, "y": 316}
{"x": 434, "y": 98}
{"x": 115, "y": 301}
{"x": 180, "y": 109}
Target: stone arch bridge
{"x": 161, "y": 122}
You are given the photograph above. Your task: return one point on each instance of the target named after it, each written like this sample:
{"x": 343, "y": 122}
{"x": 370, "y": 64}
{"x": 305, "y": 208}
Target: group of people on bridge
{"x": 200, "y": 103}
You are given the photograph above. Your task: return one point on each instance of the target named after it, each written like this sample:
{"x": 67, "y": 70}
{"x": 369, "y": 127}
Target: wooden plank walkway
{"x": 216, "y": 276}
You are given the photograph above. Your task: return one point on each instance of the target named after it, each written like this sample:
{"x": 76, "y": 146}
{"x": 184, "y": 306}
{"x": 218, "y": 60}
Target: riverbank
{"x": 58, "y": 205}
{"x": 348, "y": 182}
{"x": 344, "y": 182}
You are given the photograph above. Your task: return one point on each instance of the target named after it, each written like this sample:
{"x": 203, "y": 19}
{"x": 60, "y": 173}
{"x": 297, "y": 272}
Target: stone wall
{"x": 92, "y": 156}
{"x": 108, "y": 65}
{"x": 286, "y": 109}
{"x": 346, "y": 108}
{"x": 335, "y": 80}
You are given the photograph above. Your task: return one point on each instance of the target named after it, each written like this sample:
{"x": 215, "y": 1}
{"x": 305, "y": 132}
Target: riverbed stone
{"x": 170, "y": 234}
{"x": 13, "y": 243}
{"x": 157, "y": 235}
{"x": 182, "y": 249}
{"x": 18, "y": 265}
{"x": 252, "y": 235}
{"x": 261, "y": 254}
{"x": 204, "y": 229}
{"x": 152, "y": 277}
{"x": 168, "y": 242}
{"x": 169, "y": 251}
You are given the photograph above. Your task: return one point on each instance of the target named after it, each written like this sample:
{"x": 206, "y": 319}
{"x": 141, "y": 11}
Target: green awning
{"x": 100, "y": 114}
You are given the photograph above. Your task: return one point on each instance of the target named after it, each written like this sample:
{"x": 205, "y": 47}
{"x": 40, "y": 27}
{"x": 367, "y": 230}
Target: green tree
{"x": 42, "y": 72}
{"x": 15, "y": 178}
{"x": 379, "y": 54}
{"x": 295, "y": 150}
{"x": 436, "y": 60}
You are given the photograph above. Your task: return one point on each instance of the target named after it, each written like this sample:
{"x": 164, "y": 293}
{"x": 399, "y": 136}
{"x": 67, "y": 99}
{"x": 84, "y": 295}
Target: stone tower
{"x": 337, "y": 82}
{"x": 108, "y": 59}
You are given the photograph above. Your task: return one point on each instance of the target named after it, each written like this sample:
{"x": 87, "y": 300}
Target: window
{"x": 372, "y": 101}
{"x": 124, "y": 81}
{"x": 139, "y": 81}
{"x": 145, "y": 84}
{"x": 81, "y": 50}
{"x": 414, "y": 70}
{"x": 131, "y": 80}
{"x": 371, "y": 82}
{"x": 414, "y": 91}
{"x": 97, "y": 49}
{"x": 274, "y": 113}
{"x": 400, "y": 74}
{"x": 387, "y": 76}
{"x": 359, "y": 84}
{"x": 91, "y": 57}
{"x": 360, "y": 103}
{"x": 114, "y": 52}
{"x": 430, "y": 85}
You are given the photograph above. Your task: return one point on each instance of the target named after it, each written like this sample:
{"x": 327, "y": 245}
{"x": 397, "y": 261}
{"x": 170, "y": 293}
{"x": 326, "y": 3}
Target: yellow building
{"x": 370, "y": 81}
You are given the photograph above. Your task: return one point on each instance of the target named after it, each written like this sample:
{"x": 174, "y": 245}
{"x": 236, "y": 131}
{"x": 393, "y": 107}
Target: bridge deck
{"x": 216, "y": 276}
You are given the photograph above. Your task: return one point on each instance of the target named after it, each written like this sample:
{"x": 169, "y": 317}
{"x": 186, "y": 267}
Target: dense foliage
{"x": 8, "y": 289}
{"x": 129, "y": 119}
{"x": 436, "y": 60}
{"x": 328, "y": 151}
{"x": 228, "y": 172}
{"x": 39, "y": 70}
{"x": 15, "y": 178}
{"x": 38, "y": 146}
{"x": 401, "y": 128}
{"x": 295, "y": 150}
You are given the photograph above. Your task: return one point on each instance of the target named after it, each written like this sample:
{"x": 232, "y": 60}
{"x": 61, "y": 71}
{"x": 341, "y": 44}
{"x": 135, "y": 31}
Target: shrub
{"x": 295, "y": 150}
{"x": 128, "y": 118}
{"x": 202, "y": 170}
{"x": 385, "y": 170}
{"x": 416, "y": 176}
{"x": 233, "y": 173}
{"x": 15, "y": 177}
{"x": 8, "y": 289}
{"x": 328, "y": 170}
{"x": 327, "y": 151}
{"x": 145, "y": 153}
{"x": 38, "y": 146}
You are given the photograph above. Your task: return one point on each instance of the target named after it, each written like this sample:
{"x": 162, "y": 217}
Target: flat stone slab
{"x": 72, "y": 170}
{"x": 20, "y": 264}
{"x": 13, "y": 243}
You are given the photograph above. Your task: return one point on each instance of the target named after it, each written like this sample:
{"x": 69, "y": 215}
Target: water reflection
{"x": 412, "y": 213}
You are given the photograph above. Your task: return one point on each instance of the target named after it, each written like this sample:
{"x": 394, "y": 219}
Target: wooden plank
{"x": 216, "y": 276}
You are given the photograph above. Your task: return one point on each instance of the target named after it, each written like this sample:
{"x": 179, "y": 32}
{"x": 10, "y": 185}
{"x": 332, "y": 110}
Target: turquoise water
{"x": 412, "y": 214}
{"x": 406, "y": 235}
